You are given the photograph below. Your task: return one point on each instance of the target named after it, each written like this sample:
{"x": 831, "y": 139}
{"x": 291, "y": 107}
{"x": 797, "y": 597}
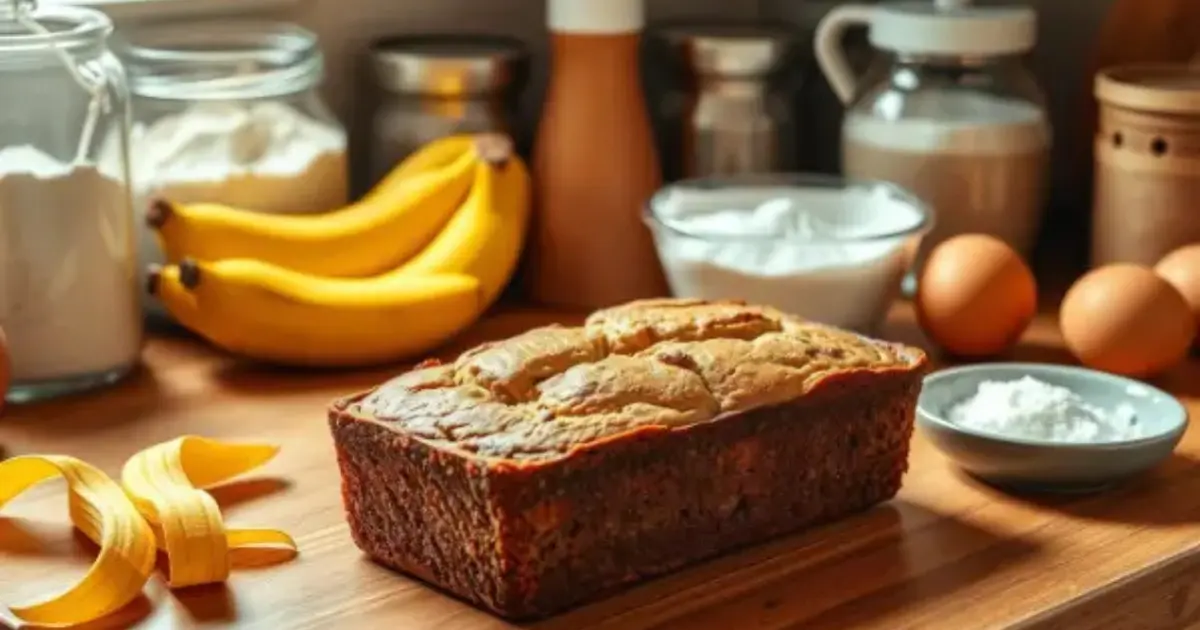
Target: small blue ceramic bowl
{"x": 1044, "y": 465}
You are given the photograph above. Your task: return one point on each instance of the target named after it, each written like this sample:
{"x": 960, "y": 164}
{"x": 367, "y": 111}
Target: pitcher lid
{"x": 953, "y": 27}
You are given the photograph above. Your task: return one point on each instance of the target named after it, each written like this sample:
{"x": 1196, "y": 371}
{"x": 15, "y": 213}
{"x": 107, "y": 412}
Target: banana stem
{"x": 158, "y": 213}
{"x": 153, "y": 277}
{"x": 494, "y": 148}
{"x": 189, "y": 273}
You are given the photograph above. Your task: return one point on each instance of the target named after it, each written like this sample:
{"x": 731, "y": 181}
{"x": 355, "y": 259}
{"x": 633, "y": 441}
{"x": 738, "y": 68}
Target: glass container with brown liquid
{"x": 595, "y": 166}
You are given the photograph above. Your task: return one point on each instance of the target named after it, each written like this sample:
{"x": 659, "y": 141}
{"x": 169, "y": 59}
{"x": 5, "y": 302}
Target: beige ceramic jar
{"x": 1147, "y": 163}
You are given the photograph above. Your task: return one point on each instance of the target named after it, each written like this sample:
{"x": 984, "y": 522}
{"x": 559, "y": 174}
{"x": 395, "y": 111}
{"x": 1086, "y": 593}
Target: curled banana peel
{"x": 100, "y": 510}
{"x": 167, "y": 482}
{"x": 388, "y": 226}
{"x": 273, "y": 314}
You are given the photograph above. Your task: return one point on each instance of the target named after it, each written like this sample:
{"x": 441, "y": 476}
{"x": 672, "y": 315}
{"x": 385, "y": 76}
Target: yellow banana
{"x": 270, "y": 313}
{"x": 434, "y": 155}
{"x": 485, "y": 236}
{"x": 363, "y": 239}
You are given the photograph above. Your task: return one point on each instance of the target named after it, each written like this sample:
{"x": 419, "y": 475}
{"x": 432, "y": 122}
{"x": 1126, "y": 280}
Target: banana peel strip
{"x": 167, "y": 483}
{"x": 100, "y": 509}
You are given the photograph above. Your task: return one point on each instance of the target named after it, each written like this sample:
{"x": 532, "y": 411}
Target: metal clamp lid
{"x": 732, "y": 49}
{"x": 448, "y": 65}
{"x": 17, "y": 16}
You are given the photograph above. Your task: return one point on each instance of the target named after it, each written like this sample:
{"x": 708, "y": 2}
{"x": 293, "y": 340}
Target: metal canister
{"x": 430, "y": 86}
{"x": 732, "y": 101}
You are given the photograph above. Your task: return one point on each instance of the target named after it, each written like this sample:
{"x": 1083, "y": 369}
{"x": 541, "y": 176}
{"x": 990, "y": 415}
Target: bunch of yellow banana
{"x": 392, "y": 276}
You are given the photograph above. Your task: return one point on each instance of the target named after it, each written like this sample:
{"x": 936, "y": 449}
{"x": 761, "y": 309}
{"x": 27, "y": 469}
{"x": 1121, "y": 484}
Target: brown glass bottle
{"x": 595, "y": 164}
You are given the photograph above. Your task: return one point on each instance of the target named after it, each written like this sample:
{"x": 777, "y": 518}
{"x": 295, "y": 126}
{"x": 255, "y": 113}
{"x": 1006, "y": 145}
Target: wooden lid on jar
{"x": 1160, "y": 88}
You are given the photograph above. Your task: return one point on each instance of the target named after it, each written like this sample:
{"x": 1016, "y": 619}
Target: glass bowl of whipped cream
{"x": 825, "y": 248}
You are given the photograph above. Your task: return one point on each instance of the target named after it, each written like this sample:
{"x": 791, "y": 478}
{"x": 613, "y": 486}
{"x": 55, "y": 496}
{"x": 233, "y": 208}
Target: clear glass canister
{"x": 68, "y": 281}
{"x": 948, "y": 111}
{"x": 229, "y": 112}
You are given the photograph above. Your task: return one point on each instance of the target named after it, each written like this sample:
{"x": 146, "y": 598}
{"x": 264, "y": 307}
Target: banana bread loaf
{"x": 542, "y": 471}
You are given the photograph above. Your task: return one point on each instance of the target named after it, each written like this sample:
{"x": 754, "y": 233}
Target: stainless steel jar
{"x": 430, "y": 86}
{"x": 733, "y": 94}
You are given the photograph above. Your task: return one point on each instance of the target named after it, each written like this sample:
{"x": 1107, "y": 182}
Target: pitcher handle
{"x": 827, "y": 46}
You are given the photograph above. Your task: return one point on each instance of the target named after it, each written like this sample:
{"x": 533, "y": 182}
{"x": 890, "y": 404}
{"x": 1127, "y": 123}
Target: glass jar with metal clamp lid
{"x": 426, "y": 87}
{"x": 68, "y": 277}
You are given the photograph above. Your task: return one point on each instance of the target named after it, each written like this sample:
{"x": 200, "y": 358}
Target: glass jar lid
{"x": 448, "y": 65}
{"x": 953, "y": 27}
{"x": 68, "y": 36}
{"x": 27, "y": 28}
{"x": 220, "y": 60}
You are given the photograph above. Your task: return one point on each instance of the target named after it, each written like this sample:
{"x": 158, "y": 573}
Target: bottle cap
{"x": 953, "y": 27}
{"x": 596, "y": 17}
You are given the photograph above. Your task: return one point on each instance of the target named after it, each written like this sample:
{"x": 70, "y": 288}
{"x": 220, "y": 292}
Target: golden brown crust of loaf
{"x": 652, "y": 363}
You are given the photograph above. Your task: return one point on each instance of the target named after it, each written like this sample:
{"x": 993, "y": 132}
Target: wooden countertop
{"x": 947, "y": 553}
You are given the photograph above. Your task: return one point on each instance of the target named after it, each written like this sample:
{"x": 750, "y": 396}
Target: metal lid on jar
{"x": 953, "y": 27}
{"x": 220, "y": 60}
{"x": 448, "y": 65}
{"x": 1161, "y": 88}
{"x": 732, "y": 49}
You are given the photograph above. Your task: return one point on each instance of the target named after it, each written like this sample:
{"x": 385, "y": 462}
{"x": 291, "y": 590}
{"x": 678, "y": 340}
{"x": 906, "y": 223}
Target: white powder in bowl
{"x": 1032, "y": 409}
{"x": 832, "y": 255}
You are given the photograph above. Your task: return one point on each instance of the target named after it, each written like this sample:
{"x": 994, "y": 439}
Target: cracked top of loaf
{"x": 667, "y": 363}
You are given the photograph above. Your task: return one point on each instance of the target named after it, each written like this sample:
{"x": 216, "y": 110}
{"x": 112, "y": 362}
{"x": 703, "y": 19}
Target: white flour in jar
{"x": 812, "y": 252}
{"x": 1032, "y": 409}
{"x": 264, "y": 156}
{"x": 68, "y": 289}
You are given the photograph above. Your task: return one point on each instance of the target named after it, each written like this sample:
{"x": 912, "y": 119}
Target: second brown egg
{"x": 1127, "y": 320}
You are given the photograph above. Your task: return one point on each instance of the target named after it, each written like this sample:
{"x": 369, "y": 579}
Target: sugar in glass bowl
{"x": 828, "y": 249}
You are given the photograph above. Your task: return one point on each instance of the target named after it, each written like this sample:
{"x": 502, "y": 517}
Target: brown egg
{"x": 1182, "y": 269}
{"x": 976, "y": 296}
{"x": 1127, "y": 320}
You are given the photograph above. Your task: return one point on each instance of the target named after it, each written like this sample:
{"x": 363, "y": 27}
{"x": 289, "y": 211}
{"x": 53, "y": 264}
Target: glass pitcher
{"x": 948, "y": 112}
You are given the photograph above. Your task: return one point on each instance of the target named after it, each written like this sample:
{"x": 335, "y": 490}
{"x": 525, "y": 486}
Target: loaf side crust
{"x": 530, "y": 529}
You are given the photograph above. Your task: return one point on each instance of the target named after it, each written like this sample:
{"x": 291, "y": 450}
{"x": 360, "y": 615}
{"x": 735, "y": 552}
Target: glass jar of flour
{"x": 229, "y": 113}
{"x": 948, "y": 113}
{"x": 68, "y": 280}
